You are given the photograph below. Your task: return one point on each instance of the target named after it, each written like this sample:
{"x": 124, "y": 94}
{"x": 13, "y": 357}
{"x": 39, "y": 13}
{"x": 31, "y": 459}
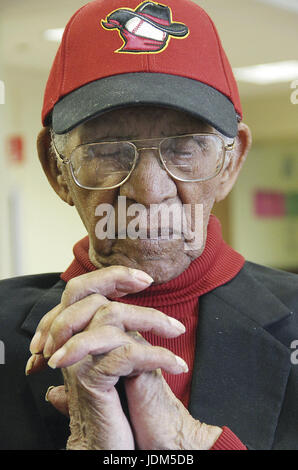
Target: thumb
{"x": 57, "y": 397}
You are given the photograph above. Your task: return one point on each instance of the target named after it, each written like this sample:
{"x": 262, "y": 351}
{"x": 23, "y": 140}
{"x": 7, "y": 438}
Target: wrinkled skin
{"x": 95, "y": 340}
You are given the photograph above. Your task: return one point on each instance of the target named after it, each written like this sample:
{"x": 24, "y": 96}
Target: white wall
{"x": 5, "y": 261}
{"x": 46, "y": 227}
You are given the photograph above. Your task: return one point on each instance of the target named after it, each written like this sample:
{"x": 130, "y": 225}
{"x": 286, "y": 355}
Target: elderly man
{"x": 158, "y": 326}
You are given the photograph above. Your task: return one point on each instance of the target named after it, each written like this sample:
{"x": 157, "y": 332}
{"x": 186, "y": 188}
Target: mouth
{"x": 152, "y": 233}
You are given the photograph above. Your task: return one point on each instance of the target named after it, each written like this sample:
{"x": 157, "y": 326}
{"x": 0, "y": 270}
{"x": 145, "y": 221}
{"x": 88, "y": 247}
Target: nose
{"x": 149, "y": 183}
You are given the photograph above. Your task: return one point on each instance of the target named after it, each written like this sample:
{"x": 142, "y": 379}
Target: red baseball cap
{"x": 119, "y": 53}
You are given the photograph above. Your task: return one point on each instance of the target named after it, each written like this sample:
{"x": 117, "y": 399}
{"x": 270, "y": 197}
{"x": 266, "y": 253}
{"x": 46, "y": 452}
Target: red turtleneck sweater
{"x": 179, "y": 298}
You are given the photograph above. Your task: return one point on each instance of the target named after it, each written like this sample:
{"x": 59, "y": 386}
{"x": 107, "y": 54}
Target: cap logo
{"x": 147, "y": 29}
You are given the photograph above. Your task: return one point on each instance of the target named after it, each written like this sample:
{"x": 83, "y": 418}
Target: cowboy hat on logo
{"x": 145, "y": 29}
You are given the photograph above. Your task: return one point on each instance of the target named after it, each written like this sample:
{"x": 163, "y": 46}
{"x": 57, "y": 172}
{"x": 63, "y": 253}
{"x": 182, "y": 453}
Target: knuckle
{"x": 127, "y": 270}
{"x": 71, "y": 286}
{"x": 62, "y": 326}
{"x": 42, "y": 325}
{"x": 119, "y": 361}
{"x": 114, "y": 269}
{"x": 57, "y": 325}
{"x": 97, "y": 298}
{"x": 137, "y": 338}
{"x": 109, "y": 370}
{"x": 159, "y": 314}
{"x": 121, "y": 271}
{"x": 108, "y": 313}
{"x": 109, "y": 308}
{"x": 113, "y": 310}
{"x": 128, "y": 350}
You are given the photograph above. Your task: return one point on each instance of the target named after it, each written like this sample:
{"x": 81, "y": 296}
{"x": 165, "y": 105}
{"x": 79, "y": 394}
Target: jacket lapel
{"x": 240, "y": 369}
{"x": 55, "y": 425}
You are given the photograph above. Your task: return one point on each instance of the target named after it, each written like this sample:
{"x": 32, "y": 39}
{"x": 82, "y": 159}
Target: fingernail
{"x": 141, "y": 276}
{"x": 48, "y": 391}
{"x": 57, "y": 356}
{"x": 182, "y": 363}
{"x": 177, "y": 324}
{"x": 34, "y": 345}
{"x": 30, "y": 364}
{"x": 49, "y": 347}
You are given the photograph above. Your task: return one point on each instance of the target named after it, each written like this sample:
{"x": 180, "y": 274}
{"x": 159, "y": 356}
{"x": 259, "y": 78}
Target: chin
{"x": 162, "y": 273}
{"x": 162, "y": 260}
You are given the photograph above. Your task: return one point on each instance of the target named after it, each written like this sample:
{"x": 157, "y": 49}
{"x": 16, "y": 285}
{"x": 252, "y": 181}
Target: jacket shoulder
{"x": 19, "y": 294}
{"x": 39, "y": 280}
{"x": 282, "y": 284}
{"x": 35, "y": 284}
{"x": 264, "y": 295}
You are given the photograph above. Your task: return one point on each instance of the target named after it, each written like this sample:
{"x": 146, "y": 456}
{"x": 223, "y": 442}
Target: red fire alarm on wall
{"x": 15, "y": 149}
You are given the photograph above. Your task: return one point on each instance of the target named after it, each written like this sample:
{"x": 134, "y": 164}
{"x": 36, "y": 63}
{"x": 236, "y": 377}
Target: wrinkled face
{"x": 149, "y": 186}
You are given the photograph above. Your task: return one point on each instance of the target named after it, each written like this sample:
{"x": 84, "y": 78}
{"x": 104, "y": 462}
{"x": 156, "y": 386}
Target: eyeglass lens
{"x": 103, "y": 165}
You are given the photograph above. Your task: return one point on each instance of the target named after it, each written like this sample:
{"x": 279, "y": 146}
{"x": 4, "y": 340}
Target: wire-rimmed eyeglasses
{"x": 108, "y": 165}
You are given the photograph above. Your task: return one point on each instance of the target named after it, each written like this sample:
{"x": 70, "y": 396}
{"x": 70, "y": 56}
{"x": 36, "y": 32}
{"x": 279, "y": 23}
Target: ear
{"x": 237, "y": 158}
{"x": 51, "y": 166}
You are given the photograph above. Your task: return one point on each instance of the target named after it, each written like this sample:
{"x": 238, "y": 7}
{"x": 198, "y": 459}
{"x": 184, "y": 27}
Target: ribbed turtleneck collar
{"x": 218, "y": 264}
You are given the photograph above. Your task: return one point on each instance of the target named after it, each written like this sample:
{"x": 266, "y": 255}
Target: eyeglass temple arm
{"x": 62, "y": 160}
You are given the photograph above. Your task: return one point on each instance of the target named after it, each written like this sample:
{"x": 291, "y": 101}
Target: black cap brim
{"x": 136, "y": 89}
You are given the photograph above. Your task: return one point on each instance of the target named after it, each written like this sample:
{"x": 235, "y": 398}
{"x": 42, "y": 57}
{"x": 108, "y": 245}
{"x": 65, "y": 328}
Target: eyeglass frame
{"x": 67, "y": 161}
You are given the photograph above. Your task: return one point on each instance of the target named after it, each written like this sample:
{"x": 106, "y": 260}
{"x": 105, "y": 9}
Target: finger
{"x": 112, "y": 282}
{"x": 134, "y": 358}
{"x": 88, "y": 342}
{"x": 72, "y": 320}
{"x": 42, "y": 330}
{"x": 133, "y": 317}
{"x": 35, "y": 363}
{"x": 86, "y": 313}
{"x": 58, "y": 398}
{"x": 121, "y": 349}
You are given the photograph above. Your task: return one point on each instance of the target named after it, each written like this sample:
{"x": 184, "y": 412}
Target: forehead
{"x": 139, "y": 122}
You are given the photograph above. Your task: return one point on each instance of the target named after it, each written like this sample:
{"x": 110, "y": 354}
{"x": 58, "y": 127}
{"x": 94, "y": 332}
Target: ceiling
{"x": 252, "y": 32}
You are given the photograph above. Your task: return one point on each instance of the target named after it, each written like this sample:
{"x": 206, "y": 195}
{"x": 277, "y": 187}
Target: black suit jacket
{"x": 244, "y": 376}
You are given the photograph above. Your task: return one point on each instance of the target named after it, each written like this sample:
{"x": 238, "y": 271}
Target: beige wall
{"x": 271, "y": 116}
{"x": 46, "y": 227}
{"x": 271, "y": 165}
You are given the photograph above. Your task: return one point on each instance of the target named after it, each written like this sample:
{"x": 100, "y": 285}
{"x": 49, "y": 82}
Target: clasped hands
{"x": 95, "y": 341}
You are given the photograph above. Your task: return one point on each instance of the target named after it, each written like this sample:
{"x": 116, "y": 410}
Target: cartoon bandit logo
{"x": 145, "y": 29}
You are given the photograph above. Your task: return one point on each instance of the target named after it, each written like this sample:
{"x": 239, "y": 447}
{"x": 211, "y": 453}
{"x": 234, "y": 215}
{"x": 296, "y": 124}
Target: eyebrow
{"x": 107, "y": 138}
